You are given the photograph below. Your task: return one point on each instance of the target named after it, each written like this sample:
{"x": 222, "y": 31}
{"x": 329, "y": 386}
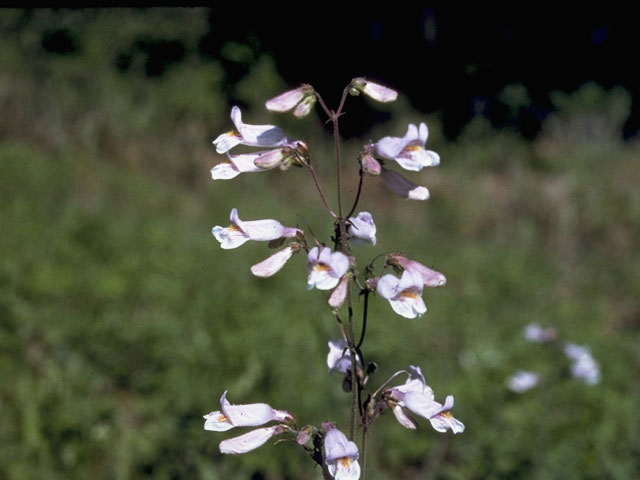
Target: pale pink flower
{"x": 522, "y": 380}
{"x": 362, "y": 229}
{"x": 275, "y": 262}
{"x": 339, "y": 357}
{"x": 301, "y": 99}
{"x": 403, "y": 186}
{"x": 404, "y": 293}
{"x": 251, "y": 135}
{"x": 240, "y": 231}
{"x": 430, "y": 278}
{"x": 373, "y": 90}
{"x": 251, "y": 415}
{"x": 340, "y": 454}
{"x": 417, "y": 397}
{"x": 409, "y": 150}
{"x": 326, "y": 268}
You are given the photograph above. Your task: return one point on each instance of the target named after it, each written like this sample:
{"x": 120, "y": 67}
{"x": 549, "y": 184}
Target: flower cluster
{"x": 334, "y": 269}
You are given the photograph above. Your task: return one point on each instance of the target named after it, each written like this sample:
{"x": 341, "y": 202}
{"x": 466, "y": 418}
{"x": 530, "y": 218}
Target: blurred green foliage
{"x": 122, "y": 321}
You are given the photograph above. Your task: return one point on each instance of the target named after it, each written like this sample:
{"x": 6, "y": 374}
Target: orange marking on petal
{"x": 412, "y": 148}
{"x": 345, "y": 461}
{"x": 222, "y": 418}
{"x": 321, "y": 267}
{"x": 234, "y": 228}
{"x": 409, "y": 293}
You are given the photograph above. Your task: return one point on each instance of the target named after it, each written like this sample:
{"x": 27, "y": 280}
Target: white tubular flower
{"x": 403, "y": 186}
{"x": 522, "y": 380}
{"x": 339, "y": 357}
{"x": 249, "y": 441}
{"x": 251, "y": 135}
{"x": 409, "y": 150}
{"x": 302, "y": 99}
{"x": 362, "y": 229}
{"x": 404, "y": 293}
{"x": 325, "y": 268}
{"x": 430, "y": 278}
{"x": 340, "y": 454}
{"x": 240, "y": 231}
{"x": 237, "y": 164}
{"x": 250, "y": 415}
{"x": 584, "y": 366}
{"x": 275, "y": 262}
{"x": 535, "y": 333}
{"x": 373, "y": 90}
{"x": 417, "y": 397}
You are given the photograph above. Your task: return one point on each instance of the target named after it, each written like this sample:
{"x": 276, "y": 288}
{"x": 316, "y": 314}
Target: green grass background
{"x": 122, "y": 321}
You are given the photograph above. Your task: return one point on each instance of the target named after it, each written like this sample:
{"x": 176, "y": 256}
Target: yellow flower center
{"x": 234, "y": 228}
{"x": 321, "y": 267}
{"x": 345, "y": 461}
{"x": 412, "y": 148}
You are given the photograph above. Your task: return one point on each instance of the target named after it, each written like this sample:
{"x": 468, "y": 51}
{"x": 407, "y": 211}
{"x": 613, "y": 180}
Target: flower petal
{"x": 403, "y": 418}
{"x": 403, "y": 186}
{"x": 249, "y": 441}
{"x": 273, "y": 264}
{"x": 217, "y": 422}
{"x": 224, "y": 171}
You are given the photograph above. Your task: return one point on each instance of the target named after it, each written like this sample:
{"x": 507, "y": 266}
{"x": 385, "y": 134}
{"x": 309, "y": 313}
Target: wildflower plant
{"x": 332, "y": 267}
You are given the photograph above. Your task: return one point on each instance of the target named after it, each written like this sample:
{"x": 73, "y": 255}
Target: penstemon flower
{"x": 251, "y": 135}
{"x": 417, "y": 397}
{"x": 252, "y": 415}
{"x": 339, "y": 357}
{"x": 301, "y": 99}
{"x": 341, "y": 455}
{"x": 362, "y": 229}
{"x": 282, "y": 157}
{"x": 373, "y": 90}
{"x": 325, "y": 268}
{"x": 409, "y": 150}
{"x": 430, "y": 278}
{"x": 240, "y": 231}
{"x": 404, "y": 293}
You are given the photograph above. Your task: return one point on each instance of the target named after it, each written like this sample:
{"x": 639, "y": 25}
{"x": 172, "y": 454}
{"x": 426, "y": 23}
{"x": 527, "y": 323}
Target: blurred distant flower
{"x": 302, "y": 99}
{"x": 430, "y": 278}
{"x": 403, "y": 186}
{"x": 326, "y": 268}
{"x": 417, "y": 397}
{"x": 521, "y": 381}
{"x": 251, "y": 135}
{"x": 409, "y": 150}
{"x": 362, "y": 229}
{"x": 584, "y": 366}
{"x": 341, "y": 455}
{"x": 275, "y": 262}
{"x": 535, "y": 333}
{"x": 404, "y": 293}
{"x": 240, "y": 231}
{"x": 373, "y": 90}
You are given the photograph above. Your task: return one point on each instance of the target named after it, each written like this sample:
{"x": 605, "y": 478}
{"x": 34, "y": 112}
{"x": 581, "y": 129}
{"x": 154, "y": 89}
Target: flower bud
{"x": 376, "y": 91}
{"x": 301, "y": 98}
{"x": 369, "y": 164}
